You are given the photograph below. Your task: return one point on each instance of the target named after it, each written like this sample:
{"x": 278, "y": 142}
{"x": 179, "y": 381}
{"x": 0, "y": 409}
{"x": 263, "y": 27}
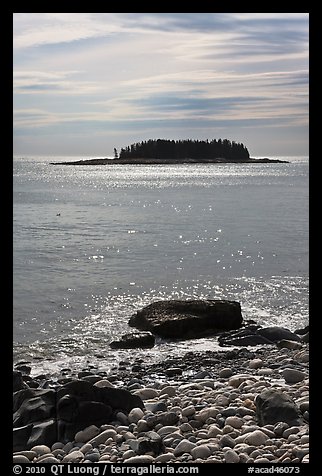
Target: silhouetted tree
{"x": 186, "y": 149}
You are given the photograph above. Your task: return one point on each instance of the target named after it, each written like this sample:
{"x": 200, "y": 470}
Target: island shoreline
{"x": 155, "y": 161}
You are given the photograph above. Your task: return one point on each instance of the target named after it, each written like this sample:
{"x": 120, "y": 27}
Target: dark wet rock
{"x": 187, "y": 319}
{"x": 305, "y": 337}
{"x": 49, "y": 415}
{"x": 239, "y": 354}
{"x": 257, "y": 335}
{"x": 91, "y": 378}
{"x": 274, "y": 406}
{"x": 245, "y": 340}
{"x": 280, "y": 427}
{"x": 84, "y": 373}
{"x": 28, "y": 436}
{"x": 245, "y": 336}
{"x": 18, "y": 382}
{"x": 36, "y": 405}
{"x": 302, "y": 331}
{"x": 275, "y": 334}
{"x": 172, "y": 371}
{"x": 44, "y": 431}
{"x": 83, "y": 415}
{"x": 133, "y": 340}
{"x": 67, "y": 408}
{"x": 24, "y": 369}
{"x": 151, "y": 442}
{"x": 155, "y": 407}
{"x": 21, "y": 436}
{"x": 136, "y": 368}
{"x": 118, "y": 399}
{"x": 168, "y": 418}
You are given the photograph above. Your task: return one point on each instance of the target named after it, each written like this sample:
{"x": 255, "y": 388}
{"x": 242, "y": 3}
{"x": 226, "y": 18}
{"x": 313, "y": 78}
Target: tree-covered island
{"x": 186, "y": 149}
{"x": 162, "y": 151}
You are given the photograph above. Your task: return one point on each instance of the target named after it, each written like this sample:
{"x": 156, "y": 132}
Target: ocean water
{"x": 93, "y": 244}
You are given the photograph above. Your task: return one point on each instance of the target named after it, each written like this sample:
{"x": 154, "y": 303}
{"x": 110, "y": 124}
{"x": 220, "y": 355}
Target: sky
{"x": 86, "y": 83}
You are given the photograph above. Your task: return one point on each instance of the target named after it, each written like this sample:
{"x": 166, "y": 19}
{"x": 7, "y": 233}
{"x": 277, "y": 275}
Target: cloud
{"x": 38, "y": 29}
{"x": 143, "y": 71}
{"x": 68, "y": 82}
{"x": 35, "y": 29}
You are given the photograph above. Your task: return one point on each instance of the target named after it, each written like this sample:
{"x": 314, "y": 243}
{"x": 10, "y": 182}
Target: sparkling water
{"x": 93, "y": 244}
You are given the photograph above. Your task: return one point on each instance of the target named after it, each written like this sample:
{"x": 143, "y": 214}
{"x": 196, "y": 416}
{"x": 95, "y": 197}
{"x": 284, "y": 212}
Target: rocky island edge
{"x": 156, "y": 161}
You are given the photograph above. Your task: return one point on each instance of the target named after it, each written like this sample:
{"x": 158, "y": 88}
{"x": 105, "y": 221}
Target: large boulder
{"x": 44, "y": 416}
{"x": 188, "y": 319}
{"x": 118, "y": 399}
{"x": 80, "y": 404}
{"x": 33, "y": 406}
{"x": 273, "y": 406}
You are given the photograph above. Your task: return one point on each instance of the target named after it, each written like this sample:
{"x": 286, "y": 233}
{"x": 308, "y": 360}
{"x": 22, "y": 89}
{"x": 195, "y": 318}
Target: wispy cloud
{"x": 153, "y": 71}
{"x": 69, "y": 82}
{"x": 38, "y": 29}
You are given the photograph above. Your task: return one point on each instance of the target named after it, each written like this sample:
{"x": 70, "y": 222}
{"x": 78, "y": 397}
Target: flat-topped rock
{"x": 188, "y": 319}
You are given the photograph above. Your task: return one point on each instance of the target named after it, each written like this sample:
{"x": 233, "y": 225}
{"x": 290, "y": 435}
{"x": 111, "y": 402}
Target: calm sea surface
{"x": 93, "y": 244}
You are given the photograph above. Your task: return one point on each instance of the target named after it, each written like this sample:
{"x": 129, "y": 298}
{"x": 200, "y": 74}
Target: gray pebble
{"x": 135, "y": 415}
{"x": 231, "y": 456}
{"x": 58, "y": 445}
{"x": 140, "y": 459}
{"x": 256, "y": 438}
{"x": 73, "y": 457}
{"x": 28, "y": 454}
{"x": 48, "y": 459}
{"x": 227, "y": 440}
{"x": 188, "y": 411}
{"x": 93, "y": 457}
{"x": 86, "y": 434}
{"x": 225, "y": 373}
{"x": 234, "y": 421}
{"x": 41, "y": 450}
{"x": 280, "y": 428}
{"x": 185, "y": 446}
{"x": 17, "y": 459}
{"x": 293, "y": 375}
{"x": 201, "y": 451}
{"x": 290, "y": 431}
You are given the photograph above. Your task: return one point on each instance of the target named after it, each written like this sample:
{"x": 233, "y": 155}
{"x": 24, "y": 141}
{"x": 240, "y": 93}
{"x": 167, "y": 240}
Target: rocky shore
{"x": 246, "y": 405}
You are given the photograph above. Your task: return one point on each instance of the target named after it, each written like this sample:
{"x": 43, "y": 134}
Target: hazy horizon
{"x": 85, "y": 83}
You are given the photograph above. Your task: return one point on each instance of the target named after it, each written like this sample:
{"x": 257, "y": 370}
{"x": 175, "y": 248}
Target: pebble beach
{"x": 200, "y": 408}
